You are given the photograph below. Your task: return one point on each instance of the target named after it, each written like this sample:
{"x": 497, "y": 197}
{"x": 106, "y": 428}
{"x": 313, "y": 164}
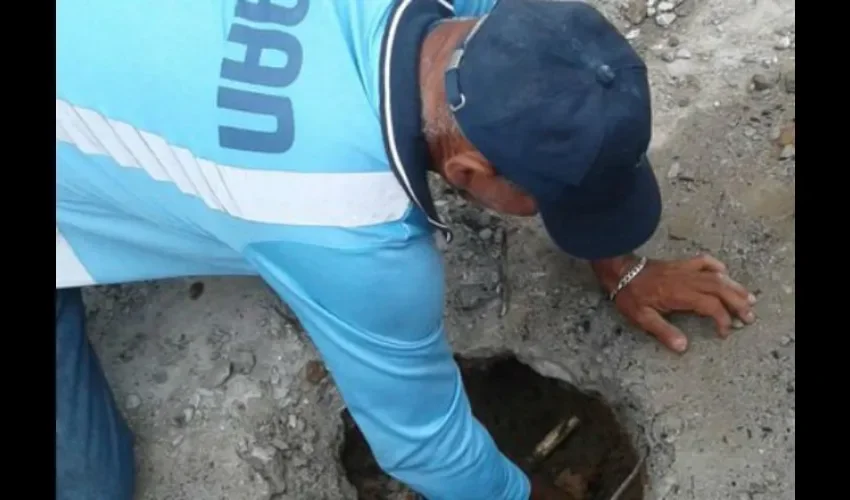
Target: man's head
{"x": 543, "y": 105}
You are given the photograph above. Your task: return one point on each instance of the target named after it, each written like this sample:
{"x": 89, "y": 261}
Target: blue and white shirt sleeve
{"x": 376, "y": 317}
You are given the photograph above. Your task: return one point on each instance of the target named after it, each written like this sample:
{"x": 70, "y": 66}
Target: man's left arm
{"x": 376, "y": 316}
{"x": 701, "y": 285}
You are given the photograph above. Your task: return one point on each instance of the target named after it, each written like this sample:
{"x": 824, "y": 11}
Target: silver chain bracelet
{"x": 625, "y": 280}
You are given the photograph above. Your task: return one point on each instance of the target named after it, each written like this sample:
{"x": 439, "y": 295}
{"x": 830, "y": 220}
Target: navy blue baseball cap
{"x": 558, "y": 102}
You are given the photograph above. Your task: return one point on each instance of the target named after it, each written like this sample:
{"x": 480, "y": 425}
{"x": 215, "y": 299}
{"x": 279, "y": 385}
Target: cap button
{"x": 605, "y": 75}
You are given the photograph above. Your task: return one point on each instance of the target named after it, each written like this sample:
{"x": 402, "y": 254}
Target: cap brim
{"x": 630, "y": 222}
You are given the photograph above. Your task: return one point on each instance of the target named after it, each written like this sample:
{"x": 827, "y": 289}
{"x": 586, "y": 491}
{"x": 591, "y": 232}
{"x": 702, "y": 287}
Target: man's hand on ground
{"x": 699, "y": 285}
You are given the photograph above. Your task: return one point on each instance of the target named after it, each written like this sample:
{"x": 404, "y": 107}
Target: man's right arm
{"x": 376, "y": 317}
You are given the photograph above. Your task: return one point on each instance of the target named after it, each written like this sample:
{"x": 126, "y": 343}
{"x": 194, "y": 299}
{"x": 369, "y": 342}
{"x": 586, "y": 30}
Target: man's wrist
{"x": 610, "y": 271}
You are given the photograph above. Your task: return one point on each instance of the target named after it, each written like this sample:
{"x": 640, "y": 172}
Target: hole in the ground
{"x": 519, "y": 407}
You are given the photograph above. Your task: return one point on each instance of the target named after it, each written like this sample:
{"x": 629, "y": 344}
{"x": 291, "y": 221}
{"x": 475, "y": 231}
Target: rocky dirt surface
{"x": 228, "y": 399}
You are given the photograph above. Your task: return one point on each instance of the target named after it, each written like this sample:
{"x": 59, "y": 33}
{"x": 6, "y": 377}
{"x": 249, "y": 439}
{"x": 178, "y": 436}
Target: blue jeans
{"x": 94, "y": 446}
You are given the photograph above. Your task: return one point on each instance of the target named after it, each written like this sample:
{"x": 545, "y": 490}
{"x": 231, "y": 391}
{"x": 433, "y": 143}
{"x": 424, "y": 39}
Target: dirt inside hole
{"x": 519, "y": 407}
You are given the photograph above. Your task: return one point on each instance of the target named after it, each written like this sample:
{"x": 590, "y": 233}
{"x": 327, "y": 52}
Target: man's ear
{"x": 463, "y": 169}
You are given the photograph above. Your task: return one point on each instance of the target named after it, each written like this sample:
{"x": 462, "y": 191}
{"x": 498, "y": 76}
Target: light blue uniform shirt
{"x": 280, "y": 140}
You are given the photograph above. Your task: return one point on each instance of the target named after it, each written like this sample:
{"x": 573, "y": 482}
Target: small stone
{"x": 269, "y": 463}
{"x": 499, "y": 235}
{"x": 635, "y": 11}
{"x": 784, "y": 43}
{"x": 749, "y": 132}
{"x": 650, "y": 11}
{"x": 669, "y": 483}
{"x": 292, "y": 421}
{"x": 683, "y": 102}
{"x": 315, "y": 372}
{"x": 633, "y": 34}
{"x": 762, "y": 82}
{"x": 243, "y": 361}
{"x": 666, "y": 6}
{"x": 205, "y": 393}
{"x": 775, "y": 133}
{"x": 484, "y": 219}
{"x": 196, "y": 290}
{"x": 684, "y": 9}
{"x": 787, "y": 135}
{"x": 219, "y": 374}
{"x": 176, "y": 441}
{"x": 791, "y": 81}
{"x": 274, "y": 378}
{"x": 787, "y": 152}
{"x": 572, "y": 483}
{"x": 184, "y": 417}
{"x": 785, "y": 340}
{"x": 280, "y": 444}
{"x": 675, "y": 168}
{"x": 667, "y": 427}
{"x": 485, "y": 234}
{"x": 683, "y": 54}
{"x": 668, "y": 57}
{"x": 132, "y": 402}
{"x": 666, "y": 19}
{"x": 160, "y": 376}
{"x": 673, "y": 41}
{"x": 309, "y": 434}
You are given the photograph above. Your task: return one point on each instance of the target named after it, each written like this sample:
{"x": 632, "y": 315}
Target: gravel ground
{"x": 228, "y": 400}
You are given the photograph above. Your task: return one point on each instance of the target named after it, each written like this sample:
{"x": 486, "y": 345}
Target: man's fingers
{"x": 734, "y": 285}
{"x": 654, "y": 324}
{"x": 706, "y": 262}
{"x": 739, "y": 288}
{"x": 711, "y": 307}
{"x": 734, "y": 296}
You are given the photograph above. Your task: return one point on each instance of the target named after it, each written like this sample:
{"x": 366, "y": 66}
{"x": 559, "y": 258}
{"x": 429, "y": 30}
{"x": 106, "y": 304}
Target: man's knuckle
{"x": 709, "y": 305}
{"x": 717, "y": 306}
{"x": 643, "y": 317}
{"x": 720, "y": 313}
{"x": 710, "y": 283}
{"x": 735, "y": 299}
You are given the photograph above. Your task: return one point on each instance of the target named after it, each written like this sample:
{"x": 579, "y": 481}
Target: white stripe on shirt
{"x": 267, "y": 196}
{"x": 70, "y": 272}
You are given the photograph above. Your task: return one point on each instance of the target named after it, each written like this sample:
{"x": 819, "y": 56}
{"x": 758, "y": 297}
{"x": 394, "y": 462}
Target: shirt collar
{"x": 401, "y": 105}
